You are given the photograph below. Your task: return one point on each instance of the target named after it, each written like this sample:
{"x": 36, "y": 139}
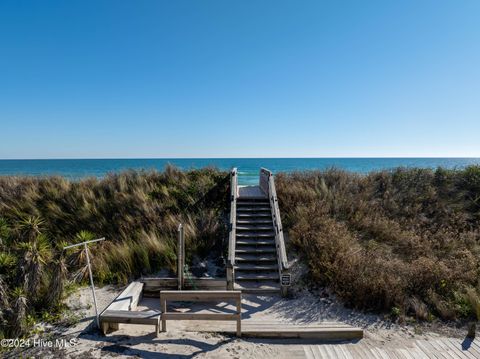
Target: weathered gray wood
{"x": 110, "y": 319}
{"x": 199, "y": 316}
{"x": 128, "y": 299}
{"x": 133, "y": 317}
{"x": 233, "y": 223}
{"x": 201, "y": 296}
{"x": 197, "y": 295}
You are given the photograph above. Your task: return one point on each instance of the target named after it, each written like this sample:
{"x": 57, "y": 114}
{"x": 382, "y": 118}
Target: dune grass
{"x": 137, "y": 212}
{"x": 404, "y": 242}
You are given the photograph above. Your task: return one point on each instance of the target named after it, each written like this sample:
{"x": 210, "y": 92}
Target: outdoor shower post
{"x": 84, "y": 244}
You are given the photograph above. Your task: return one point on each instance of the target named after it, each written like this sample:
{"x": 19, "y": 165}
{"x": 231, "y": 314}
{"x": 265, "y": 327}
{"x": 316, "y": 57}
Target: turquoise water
{"x": 248, "y": 167}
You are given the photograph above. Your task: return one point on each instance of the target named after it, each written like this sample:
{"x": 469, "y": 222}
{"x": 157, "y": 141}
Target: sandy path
{"x": 183, "y": 341}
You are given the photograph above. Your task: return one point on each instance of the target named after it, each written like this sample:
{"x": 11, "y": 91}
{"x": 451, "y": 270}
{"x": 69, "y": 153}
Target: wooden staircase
{"x": 256, "y": 268}
{"x": 254, "y": 241}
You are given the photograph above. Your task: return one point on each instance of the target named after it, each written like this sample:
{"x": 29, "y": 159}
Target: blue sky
{"x": 84, "y": 79}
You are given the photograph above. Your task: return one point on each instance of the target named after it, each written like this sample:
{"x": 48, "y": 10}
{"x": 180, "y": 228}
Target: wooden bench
{"x": 201, "y": 296}
{"x": 122, "y": 310}
{"x": 132, "y": 317}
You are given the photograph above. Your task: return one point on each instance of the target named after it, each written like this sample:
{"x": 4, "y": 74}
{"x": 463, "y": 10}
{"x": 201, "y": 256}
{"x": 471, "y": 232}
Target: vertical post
{"x": 239, "y": 317}
{"x": 180, "y": 256}
{"x": 91, "y": 283}
{"x": 163, "y": 310}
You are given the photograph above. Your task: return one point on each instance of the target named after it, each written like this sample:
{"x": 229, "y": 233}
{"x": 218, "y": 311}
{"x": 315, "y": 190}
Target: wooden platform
{"x": 252, "y": 192}
{"x": 445, "y": 348}
{"x": 265, "y": 329}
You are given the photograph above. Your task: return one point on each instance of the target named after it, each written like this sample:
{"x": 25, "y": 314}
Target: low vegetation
{"x": 138, "y": 213}
{"x": 405, "y": 241}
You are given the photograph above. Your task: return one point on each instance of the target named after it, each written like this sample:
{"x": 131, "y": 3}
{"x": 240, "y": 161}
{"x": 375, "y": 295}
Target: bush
{"x": 407, "y": 238}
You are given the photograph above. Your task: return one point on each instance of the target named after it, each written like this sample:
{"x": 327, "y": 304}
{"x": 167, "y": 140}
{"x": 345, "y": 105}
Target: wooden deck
{"x": 268, "y": 329}
{"x": 250, "y": 192}
{"x": 445, "y": 348}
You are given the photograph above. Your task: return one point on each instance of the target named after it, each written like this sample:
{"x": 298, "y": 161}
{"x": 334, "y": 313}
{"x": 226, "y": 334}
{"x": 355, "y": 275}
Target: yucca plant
{"x": 57, "y": 281}
{"x": 18, "y": 324}
{"x": 30, "y": 227}
{"x": 34, "y": 256}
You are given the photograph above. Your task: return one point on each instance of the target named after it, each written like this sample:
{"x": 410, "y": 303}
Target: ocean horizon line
{"x": 235, "y": 158}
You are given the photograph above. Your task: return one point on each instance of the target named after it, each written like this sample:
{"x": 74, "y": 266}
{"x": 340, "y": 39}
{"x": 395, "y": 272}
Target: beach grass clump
{"x": 402, "y": 240}
{"x": 138, "y": 212}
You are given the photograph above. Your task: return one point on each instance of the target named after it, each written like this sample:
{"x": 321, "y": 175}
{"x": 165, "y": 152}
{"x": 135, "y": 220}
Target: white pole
{"x": 89, "y": 272}
{"x": 93, "y": 286}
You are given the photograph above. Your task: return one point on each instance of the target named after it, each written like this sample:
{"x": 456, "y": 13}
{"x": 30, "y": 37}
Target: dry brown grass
{"x": 405, "y": 239}
{"x": 137, "y": 212}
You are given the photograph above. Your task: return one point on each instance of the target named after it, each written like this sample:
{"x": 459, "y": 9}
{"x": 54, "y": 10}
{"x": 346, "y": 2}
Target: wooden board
{"x": 128, "y": 299}
{"x": 131, "y": 317}
{"x": 444, "y": 348}
{"x": 327, "y": 331}
{"x": 200, "y": 316}
{"x": 196, "y": 295}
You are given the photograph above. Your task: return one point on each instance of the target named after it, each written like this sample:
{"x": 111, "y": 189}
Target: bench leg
{"x": 104, "y": 328}
{"x": 239, "y": 327}
{"x": 114, "y": 326}
{"x": 157, "y": 328}
{"x": 163, "y": 308}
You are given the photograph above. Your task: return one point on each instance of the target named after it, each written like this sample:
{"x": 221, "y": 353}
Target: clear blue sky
{"x": 81, "y": 79}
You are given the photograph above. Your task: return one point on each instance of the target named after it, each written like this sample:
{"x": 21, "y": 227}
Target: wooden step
{"x": 255, "y": 234}
{"x": 259, "y": 258}
{"x": 258, "y": 287}
{"x": 254, "y": 222}
{"x": 254, "y": 242}
{"x": 253, "y": 209}
{"x": 254, "y": 228}
{"x": 264, "y": 203}
{"x": 258, "y": 215}
{"x": 254, "y": 250}
{"x": 271, "y": 276}
{"x": 253, "y": 267}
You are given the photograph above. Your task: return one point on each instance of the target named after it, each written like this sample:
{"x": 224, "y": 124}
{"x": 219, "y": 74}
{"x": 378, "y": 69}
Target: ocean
{"x": 248, "y": 167}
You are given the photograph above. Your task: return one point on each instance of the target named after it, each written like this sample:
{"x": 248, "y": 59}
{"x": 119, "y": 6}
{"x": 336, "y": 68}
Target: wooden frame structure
{"x": 201, "y": 296}
{"x": 233, "y": 224}
{"x": 122, "y": 310}
{"x": 267, "y": 185}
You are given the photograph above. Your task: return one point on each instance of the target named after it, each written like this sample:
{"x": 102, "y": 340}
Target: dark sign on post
{"x": 286, "y": 280}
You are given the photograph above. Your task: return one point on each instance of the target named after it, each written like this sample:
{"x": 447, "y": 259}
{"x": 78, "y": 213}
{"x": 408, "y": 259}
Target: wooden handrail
{"x": 267, "y": 184}
{"x": 233, "y": 217}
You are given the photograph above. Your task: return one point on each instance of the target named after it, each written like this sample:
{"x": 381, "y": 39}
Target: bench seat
{"x": 149, "y": 317}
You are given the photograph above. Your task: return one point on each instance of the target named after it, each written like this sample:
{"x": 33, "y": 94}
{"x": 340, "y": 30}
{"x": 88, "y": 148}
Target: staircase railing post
{"x": 230, "y": 267}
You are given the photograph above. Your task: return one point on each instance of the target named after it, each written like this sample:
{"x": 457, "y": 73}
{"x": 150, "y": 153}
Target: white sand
{"x": 181, "y": 340}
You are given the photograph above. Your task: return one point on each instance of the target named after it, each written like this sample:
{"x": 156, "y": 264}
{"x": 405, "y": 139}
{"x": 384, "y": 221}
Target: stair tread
{"x": 253, "y": 250}
{"x": 253, "y": 211}
{"x": 254, "y": 221}
{"x": 244, "y": 202}
{"x": 257, "y": 276}
{"x": 253, "y": 228}
{"x": 257, "y": 285}
{"x": 255, "y": 235}
{"x": 253, "y": 242}
{"x": 256, "y": 215}
{"x": 256, "y": 259}
{"x": 248, "y": 267}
